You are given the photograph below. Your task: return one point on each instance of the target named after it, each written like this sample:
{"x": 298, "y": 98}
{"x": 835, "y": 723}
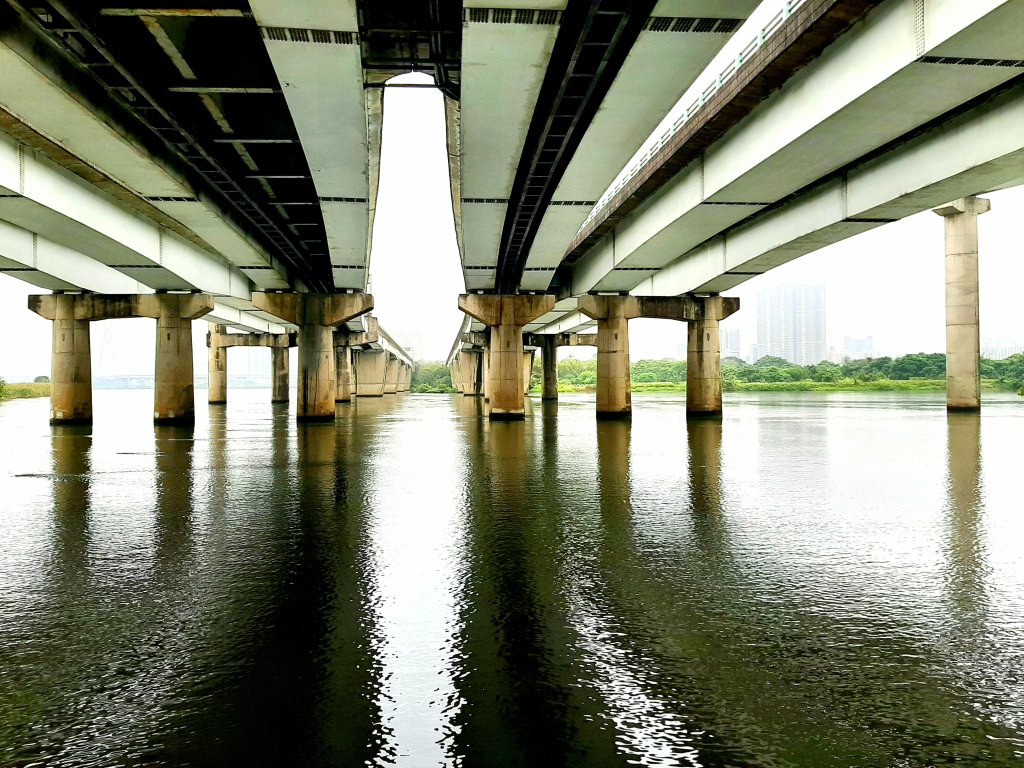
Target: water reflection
{"x": 416, "y": 586}
{"x": 965, "y": 545}
{"x": 70, "y": 477}
{"x": 172, "y": 473}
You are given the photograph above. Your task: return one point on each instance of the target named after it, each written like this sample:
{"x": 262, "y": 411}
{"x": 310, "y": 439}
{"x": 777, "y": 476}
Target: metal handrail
{"x": 730, "y": 71}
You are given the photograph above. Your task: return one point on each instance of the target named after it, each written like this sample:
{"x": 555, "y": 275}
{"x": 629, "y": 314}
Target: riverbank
{"x": 15, "y": 391}
{"x": 843, "y": 385}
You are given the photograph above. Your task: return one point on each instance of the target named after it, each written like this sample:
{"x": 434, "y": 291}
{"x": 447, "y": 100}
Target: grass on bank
{"x": 15, "y": 391}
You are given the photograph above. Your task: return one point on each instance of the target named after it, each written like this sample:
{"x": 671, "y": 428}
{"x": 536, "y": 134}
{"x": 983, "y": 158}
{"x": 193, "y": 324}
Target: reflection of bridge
{"x": 144, "y": 174}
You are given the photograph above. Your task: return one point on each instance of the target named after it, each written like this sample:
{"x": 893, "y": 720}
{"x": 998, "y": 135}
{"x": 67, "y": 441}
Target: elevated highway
{"x": 137, "y": 159}
{"x": 815, "y": 122}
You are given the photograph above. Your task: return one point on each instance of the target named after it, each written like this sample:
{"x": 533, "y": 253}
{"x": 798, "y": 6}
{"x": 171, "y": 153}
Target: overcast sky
{"x": 887, "y": 283}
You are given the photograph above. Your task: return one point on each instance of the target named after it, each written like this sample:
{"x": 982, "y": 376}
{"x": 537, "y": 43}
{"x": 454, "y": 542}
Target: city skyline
{"x": 791, "y": 322}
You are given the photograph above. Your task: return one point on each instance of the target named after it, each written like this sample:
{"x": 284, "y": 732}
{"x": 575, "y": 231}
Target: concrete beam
{"x": 327, "y": 310}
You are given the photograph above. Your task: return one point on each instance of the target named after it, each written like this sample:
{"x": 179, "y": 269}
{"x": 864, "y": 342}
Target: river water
{"x": 818, "y": 580}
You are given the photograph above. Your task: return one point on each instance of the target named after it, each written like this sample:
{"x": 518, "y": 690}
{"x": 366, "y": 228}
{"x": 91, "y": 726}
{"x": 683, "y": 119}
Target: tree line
{"x": 930, "y": 366}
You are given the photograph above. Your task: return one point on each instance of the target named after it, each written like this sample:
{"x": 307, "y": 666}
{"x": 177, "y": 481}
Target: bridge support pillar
{"x": 614, "y": 398}
{"x": 455, "y": 372}
{"x": 528, "y": 355}
{"x": 471, "y": 370}
{"x": 963, "y": 342}
{"x": 391, "y": 374}
{"x": 70, "y": 365}
{"x": 549, "y": 361}
{"x": 218, "y": 374}
{"x": 343, "y": 363}
{"x": 703, "y": 372}
{"x": 279, "y": 374}
{"x": 505, "y": 315}
{"x": 174, "y": 397}
{"x": 317, "y": 315}
{"x": 406, "y": 380}
{"x": 371, "y": 366}
{"x": 704, "y": 356}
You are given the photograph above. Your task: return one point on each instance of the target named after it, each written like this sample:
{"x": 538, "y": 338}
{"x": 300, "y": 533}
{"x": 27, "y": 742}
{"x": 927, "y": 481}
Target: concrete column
{"x": 549, "y": 360}
{"x": 455, "y": 371}
{"x": 317, "y": 386}
{"x": 174, "y": 396}
{"x": 704, "y": 359}
{"x": 527, "y": 368}
{"x": 963, "y": 343}
{"x": 406, "y": 378}
{"x": 317, "y": 315}
{"x": 614, "y": 397}
{"x": 343, "y": 363}
{"x": 391, "y": 373}
{"x": 506, "y": 316}
{"x": 371, "y": 365}
{"x": 279, "y": 374}
{"x": 485, "y": 371}
{"x": 218, "y": 389}
{"x": 70, "y": 365}
{"x": 470, "y": 367}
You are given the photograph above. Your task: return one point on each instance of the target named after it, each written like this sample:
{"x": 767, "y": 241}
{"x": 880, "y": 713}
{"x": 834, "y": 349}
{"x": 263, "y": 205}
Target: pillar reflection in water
{"x": 173, "y": 485}
{"x": 70, "y": 446}
{"x": 965, "y": 566}
{"x": 335, "y": 665}
{"x": 513, "y": 675}
{"x": 704, "y": 439}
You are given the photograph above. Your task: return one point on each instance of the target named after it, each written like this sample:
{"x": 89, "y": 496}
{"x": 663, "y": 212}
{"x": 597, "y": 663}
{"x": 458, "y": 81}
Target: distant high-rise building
{"x": 858, "y": 349}
{"x": 791, "y": 323}
{"x": 730, "y": 340}
{"x": 999, "y": 349}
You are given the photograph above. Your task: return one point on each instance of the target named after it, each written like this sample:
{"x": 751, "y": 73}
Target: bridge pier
{"x": 471, "y": 369}
{"x": 70, "y": 366}
{"x": 345, "y": 373}
{"x": 549, "y": 363}
{"x": 505, "y": 315}
{"x": 614, "y": 399}
{"x": 371, "y": 366}
{"x": 455, "y": 373}
{"x": 391, "y": 374}
{"x": 528, "y": 355}
{"x": 405, "y": 383}
{"x": 218, "y": 372}
{"x": 703, "y": 358}
{"x": 174, "y": 397}
{"x": 963, "y": 341}
{"x": 317, "y": 315}
{"x": 279, "y": 374}
{"x": 219, "y": 340}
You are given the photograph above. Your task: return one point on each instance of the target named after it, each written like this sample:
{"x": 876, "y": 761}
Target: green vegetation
{"x": 13, "y": 391}
{"x": 920, "y": 372}
{"x": 432, "y": 378}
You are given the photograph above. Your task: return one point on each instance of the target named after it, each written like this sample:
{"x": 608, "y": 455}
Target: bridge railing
{"x": 731, "y": 69}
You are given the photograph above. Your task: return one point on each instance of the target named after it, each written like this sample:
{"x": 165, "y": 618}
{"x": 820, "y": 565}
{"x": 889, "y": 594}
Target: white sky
{"x": 887, "y": 283}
